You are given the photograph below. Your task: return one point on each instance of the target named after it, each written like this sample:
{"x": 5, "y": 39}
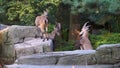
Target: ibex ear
{"x": 58, "y": 25}
{"x": 55, "y": 24}
{"x": 45, "y": 12}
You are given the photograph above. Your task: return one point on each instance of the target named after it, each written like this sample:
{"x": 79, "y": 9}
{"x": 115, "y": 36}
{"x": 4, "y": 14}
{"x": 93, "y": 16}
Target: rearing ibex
{"x": 52, "y": 35}
{"x": 84, "y": 42}
{"x": 55, "y": 32}
{"x": 42, "y": 22}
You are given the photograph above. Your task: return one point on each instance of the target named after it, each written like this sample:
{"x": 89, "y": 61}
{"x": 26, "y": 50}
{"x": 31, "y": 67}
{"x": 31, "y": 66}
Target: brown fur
{"x": 84, "y": 42}
{"x": 42, "y": 22}
{"x": 1, "y": 64}
{"x": 55, "y": 32}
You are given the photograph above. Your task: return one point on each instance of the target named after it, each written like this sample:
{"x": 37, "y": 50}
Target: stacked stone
{"x": 108, "y": 54}
{"x": 16, "y": 41}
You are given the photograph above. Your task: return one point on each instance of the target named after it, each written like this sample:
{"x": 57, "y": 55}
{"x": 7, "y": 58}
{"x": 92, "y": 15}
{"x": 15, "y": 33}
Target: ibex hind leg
{"x": 77, "y": 46}
{"x": 41, "y": 36}
{"x": 47, "y": 37}
{"x": 44, "y": 36}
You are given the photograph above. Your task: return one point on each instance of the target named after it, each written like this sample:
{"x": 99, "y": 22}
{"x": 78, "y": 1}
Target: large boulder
{"x": 108, "y": 54}
{"x": 77, "y": 57}
{"x": 7, "y": 54}
{"x": 33, "y": 46}
{"x": 18, "y": 34}
{"x": 16, "y": 41}
{"x": 80, "y": 57}
{"x": 104, "y": 55}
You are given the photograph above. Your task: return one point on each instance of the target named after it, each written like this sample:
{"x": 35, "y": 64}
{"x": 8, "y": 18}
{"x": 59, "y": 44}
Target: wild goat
{"x": 84, "y": 42}
{"x": 42, "y": 23}
{"x": 55, "y": 32}
{"x": 52, "y": 35}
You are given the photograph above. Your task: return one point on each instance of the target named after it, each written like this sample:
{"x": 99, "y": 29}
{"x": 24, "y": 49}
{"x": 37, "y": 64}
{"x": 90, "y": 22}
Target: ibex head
{"x": 45, "y": 13}
{"x": 57, "y": 28}
{"x": 85, "y": 28}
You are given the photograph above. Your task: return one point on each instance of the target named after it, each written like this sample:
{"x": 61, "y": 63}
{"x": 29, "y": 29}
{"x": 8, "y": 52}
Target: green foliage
{"x": 112, "y": 6}
{"x": 23, "y": 12}
{"x": 105, "y": 38}
{"x": 96, "y": 40}
{"x": 50, "y": 27}
{"x": 114, "y": 24}
{"x": 97, "y": 10}
{"x": 94, "y": 6}
{"x": 20, "y": 12}
{"x": 65, "y": 46}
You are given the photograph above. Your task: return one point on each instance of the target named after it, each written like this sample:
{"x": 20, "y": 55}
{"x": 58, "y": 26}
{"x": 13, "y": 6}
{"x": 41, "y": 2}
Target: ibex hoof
{"x": 47, "y": 39}
{"x": 41, "y": 37}
{"x": 43, "y": 40}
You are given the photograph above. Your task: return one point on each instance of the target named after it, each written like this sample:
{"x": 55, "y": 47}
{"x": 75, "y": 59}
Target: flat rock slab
{"x": 60, "y": 66}
{"x": 109, "y": 52}
{"x": 59, "y": 58}
{"x": 33, "y": 46}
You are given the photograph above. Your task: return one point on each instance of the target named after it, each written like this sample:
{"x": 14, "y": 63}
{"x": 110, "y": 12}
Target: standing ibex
{"x": 42, "y": 22}
{"x": 84, "y": 42}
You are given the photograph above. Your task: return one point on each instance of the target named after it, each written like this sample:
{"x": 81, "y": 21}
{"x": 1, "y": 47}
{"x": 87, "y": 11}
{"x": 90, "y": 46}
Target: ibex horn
{"x": 85, "y": 24}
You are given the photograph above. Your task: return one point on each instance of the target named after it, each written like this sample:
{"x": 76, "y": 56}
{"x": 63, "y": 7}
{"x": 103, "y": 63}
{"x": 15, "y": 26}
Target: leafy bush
{"x": 96, "y": 40}
{"x": 23, "y": 12}
{"x": 106, "y": 38}
{"x": 50, "y": 27}
{"x": 65, "y": 46}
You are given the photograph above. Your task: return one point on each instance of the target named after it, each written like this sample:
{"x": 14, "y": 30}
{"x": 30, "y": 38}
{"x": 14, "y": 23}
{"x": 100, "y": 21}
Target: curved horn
{"x": 59, "y": 26}
{"x": 85, "y": 24}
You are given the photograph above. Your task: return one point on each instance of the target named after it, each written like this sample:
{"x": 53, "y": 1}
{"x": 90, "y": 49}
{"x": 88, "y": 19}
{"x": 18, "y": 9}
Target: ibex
{"x": 52, "y": 35}
{"x": 42, "y": 22}
{"x": 1, "y": 64}
{"x": 84, "y": 42}
{"x": 55, "y": 32}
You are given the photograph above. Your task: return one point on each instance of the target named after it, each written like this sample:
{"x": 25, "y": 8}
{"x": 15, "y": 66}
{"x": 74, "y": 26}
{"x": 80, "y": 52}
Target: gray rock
{"x": 105, "y": 54}
{"x": 91, "y": 59}
{"x": 16, "y": 41}
{"x": 59, "y": 66}
{"x": 108, "y": 54}
{"x": 7, "y": 48}
{"x": 115, "y": 53}
{"x": 32, "y": 47}
{"x": 84, "y": 57}
{"x": 17, "y": 34}
{"x": 38, "y": 59}
{"x": 73, "y": 60}
{"x": 58, "y": 58}
{"x": 2, "y": 26}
